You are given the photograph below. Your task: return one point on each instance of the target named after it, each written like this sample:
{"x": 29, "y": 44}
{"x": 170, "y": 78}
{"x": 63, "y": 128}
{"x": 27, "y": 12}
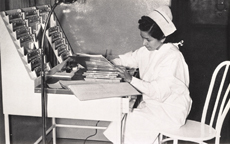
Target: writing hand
{"x": 124, "y": 74}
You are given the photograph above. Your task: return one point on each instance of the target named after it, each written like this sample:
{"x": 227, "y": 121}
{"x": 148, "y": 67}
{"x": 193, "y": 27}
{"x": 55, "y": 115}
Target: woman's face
{"x": 149, "y": 42}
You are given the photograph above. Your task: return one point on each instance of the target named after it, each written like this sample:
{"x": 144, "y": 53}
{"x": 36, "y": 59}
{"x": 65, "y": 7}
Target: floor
{"x": 71, "y": 141}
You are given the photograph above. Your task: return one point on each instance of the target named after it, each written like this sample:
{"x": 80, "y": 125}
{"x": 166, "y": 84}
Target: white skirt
{"x": 144, "y": 124}
{"x": 139, "y": 129}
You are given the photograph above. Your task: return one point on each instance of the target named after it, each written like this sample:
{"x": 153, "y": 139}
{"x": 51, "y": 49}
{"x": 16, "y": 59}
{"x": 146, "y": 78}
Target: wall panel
{"x": 210, "y": 11}
{"x": 16, "y": 4}
{"x": 2, "y": 5}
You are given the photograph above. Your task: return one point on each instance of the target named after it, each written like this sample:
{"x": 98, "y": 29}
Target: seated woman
{"x": 164, "y": 81}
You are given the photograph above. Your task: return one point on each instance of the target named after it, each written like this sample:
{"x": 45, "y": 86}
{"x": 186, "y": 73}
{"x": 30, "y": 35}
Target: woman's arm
{"x": 171, "y": 78}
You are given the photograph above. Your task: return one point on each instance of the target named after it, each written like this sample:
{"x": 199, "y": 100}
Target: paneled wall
{"x": 206, "y": 45}
{"x": 2, "y": 5}
{"x": 210, "y": 11}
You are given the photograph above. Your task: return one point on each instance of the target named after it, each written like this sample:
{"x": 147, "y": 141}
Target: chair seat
{"x": 192, "y": 131}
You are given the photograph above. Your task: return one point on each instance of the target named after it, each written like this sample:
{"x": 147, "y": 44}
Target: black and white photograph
{"x": 114, "y": 71}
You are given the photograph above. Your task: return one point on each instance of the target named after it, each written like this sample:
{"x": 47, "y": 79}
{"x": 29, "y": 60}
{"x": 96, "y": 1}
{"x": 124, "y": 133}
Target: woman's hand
{"x": 124, "y": 74}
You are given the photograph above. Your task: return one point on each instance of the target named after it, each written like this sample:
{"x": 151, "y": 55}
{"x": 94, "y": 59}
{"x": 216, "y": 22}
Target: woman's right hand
{"x": 124, "y": 73}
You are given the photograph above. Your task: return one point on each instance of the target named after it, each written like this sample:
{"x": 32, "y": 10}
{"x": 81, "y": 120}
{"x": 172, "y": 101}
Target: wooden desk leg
{"x": 54, "y": 131}
{"x": 7, "y": 129}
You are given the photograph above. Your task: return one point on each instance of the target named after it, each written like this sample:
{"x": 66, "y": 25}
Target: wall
{"x": 16, "y": 4}
{"x": 99, "y": 25}
{"x": 210, "y": 11}
{"x": 207, "y": 48}
{"x": 206, "y": 36}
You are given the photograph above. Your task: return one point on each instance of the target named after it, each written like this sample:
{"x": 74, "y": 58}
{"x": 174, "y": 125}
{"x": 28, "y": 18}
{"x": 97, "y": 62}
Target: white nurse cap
{"x": 163, "y": 17}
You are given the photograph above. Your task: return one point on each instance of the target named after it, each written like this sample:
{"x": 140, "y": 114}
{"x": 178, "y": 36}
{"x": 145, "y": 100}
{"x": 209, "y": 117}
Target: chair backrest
{"x": 222, "y": 102}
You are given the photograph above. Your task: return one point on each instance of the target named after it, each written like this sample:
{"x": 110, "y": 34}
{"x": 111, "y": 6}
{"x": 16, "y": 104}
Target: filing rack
{"x": 25, "y": 27}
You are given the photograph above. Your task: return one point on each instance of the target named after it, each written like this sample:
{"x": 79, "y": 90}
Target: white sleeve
{"x": 116, "y": 61}
{"x": 169, "y": 81}
{"x": 129, "y": 59}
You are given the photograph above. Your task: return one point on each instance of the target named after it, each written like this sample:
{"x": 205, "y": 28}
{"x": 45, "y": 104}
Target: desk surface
{"x": 54, "y": 79}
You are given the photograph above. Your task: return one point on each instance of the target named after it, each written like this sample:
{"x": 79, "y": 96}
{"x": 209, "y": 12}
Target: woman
{"x": 164, "y": 81}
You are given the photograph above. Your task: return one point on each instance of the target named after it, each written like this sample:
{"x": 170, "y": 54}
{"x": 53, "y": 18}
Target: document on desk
{"x": 90, "y": 91}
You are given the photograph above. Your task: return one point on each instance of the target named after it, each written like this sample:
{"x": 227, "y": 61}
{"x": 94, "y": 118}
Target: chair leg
{"x": 160, "y": 138}
{"x": 175, "y": 141}
{"x": 217, "y": 140}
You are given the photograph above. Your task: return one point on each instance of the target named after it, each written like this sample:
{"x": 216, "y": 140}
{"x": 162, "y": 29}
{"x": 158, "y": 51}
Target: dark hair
{"x": 146, "y": 24}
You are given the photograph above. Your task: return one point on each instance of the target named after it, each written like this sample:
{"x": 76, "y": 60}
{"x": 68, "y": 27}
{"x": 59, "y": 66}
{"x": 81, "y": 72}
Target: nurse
{"x": 163, "y": 82}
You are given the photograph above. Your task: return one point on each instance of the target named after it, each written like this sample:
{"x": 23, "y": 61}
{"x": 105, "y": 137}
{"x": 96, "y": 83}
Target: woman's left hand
{"x": 124, "y": 74}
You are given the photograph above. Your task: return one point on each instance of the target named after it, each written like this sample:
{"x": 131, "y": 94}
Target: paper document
{"x": 56, "y": 85}
{"x": 65, "y": 84}
{"x": 90, "y": 91}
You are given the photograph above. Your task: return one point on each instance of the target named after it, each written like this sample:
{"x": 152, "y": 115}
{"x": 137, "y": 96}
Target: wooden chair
{"x": 207, "y": 129}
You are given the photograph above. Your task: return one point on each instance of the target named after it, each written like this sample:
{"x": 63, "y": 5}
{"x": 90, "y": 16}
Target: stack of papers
{"x": 97, "y": 68}
{"x": 90, "y": 91}
{"x": 101, "y": 80}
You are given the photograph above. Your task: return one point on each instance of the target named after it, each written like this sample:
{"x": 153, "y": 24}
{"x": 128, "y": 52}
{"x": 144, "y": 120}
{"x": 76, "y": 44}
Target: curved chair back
{"x": 221, "y": 105}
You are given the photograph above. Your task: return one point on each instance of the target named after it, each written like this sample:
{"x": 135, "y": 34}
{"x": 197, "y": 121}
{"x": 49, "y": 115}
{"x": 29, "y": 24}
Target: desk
{"x": 20, "y": 98}
{"x": 68, "y": 106}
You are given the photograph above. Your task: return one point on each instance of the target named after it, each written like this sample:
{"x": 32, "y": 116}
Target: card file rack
{"x": 25, "y": 27}
{"x": 33, "y": 18}
{"x": 59, "y": 43}
{"x": 23, "y": 35}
